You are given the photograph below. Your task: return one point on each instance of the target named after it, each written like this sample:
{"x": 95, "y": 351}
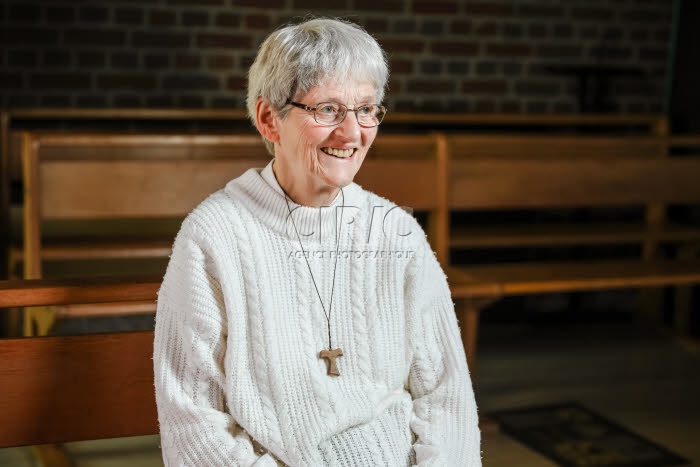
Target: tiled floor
{"x": 624, "y": 369}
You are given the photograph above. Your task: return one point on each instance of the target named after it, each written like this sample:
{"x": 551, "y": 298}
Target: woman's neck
{"x": 304, "y": 194}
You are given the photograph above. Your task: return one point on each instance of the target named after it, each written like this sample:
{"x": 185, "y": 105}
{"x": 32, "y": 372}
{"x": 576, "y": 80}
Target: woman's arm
{"x": 190, "y": 345}
{"x": 444, "y": 409}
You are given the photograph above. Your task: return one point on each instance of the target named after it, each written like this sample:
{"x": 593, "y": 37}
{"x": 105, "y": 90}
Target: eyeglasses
{"x": 333, "y": 113}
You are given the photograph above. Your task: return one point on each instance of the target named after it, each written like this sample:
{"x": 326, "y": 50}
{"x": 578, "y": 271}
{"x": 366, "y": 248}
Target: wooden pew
{"x": 493, "y": 174}
{"x": 71, "y": 388}
{"x": 86, "y": 177}
{"x": 234, "y": 121}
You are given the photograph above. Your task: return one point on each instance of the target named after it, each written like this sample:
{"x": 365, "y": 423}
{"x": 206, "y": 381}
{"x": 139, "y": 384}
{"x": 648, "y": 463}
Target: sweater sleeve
{"x": 190, "y": 344}
{"x": 444, "y": 415}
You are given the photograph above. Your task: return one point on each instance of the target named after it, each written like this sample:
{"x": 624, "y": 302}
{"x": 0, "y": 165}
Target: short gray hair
{"x": 297, "y": 57}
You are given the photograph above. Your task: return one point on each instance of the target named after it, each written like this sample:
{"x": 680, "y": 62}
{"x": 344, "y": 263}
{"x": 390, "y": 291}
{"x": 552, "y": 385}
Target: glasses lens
{"x": 329, "y": 113}
{"x": 370, "y": 115}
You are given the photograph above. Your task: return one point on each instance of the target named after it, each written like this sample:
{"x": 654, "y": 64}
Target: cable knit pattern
{"x": 239, "y": 327}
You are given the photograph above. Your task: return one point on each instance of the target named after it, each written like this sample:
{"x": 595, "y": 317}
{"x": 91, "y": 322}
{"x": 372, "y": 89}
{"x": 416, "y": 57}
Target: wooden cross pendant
{"x": 331, "y": 355}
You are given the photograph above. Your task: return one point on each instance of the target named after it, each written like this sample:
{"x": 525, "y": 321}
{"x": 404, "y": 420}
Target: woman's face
{"x": 304, "y": 153}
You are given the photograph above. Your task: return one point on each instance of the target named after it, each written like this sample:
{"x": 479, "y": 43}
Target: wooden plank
{"x": 70, "y": 388}
{"x": 568, "y": 234}
{"x": 105, "y": 309}
{"x": 40, "y": 292}
{"x": 529, "y": 278}
{"x": 123, "y": 114}
{"x": 471, "y": 146}
{"x": 32, "y": 207}
{"x": 396, "y": 180}
{"x": 132, "y": 188}
{"x": 493, "y": 184}
{"x": 87, "y": 249}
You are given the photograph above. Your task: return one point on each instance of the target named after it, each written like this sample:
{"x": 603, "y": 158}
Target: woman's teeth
{"x": 343, "y": 153}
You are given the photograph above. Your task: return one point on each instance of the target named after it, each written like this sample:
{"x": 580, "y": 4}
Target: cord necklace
{"x": 330, "y": 354}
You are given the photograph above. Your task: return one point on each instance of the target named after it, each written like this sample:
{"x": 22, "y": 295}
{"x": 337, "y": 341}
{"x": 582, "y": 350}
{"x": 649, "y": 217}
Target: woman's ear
{"x": 266, "y": 120}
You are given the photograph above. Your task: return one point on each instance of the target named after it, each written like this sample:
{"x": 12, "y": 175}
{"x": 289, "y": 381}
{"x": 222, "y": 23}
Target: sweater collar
{"x": 261, "y": 195}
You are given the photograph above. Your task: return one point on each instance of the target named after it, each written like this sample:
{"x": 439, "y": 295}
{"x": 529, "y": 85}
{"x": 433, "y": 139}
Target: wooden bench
{"x": 71, "y": 388}
{"x": 74, "y": 178}
{"x": 493, "y": 175}
{"x": 234, "y": 121}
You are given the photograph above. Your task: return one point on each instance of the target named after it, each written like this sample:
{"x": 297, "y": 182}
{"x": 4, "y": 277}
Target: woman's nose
{"x": 349, "y": 127}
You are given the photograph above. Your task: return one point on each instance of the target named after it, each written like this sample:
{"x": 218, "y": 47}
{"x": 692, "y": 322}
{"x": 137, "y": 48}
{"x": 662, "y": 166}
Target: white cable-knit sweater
{"x": 239, "y": 328}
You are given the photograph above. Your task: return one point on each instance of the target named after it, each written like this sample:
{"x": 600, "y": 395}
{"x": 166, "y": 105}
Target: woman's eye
{"x": 327, "y": 109}
{"x": 366, "y": 110}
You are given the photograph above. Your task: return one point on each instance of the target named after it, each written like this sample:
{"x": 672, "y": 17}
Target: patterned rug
{"x": 574, "y": 436}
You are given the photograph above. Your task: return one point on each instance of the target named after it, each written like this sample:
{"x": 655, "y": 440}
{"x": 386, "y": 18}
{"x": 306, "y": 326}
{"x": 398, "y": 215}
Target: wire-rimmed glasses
{"x": 333, "y": 113}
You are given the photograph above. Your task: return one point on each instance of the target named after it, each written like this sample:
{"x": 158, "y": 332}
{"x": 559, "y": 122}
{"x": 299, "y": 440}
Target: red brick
{"x": 478, "y": 86}
{"x": 128, "y": 16}
{"x": 489, "y": 8}
{"x": 511, "y": 107}
{"x": 237, "y": 83}
{"x": 434, "y": 7}
{"x": 257, "y": 22}
{"x": 228, "y": 41}
{"x": 194, "y": 18}
{"x": 401, "y": 66}
{"x": 60, "y": 81}
{"x": 196, "y": 2}
{"x": 160, "y": 39}
{"x": 60, "y": 14}
{"x": 10, "y": 80}
{"x": 29, "y": 36}
{"x": 645, "y": 16}
{"x": 616, "y": 53}
{"x": 537, "y": 30}
{"x": 156, "y": 61}
{"x": 563, "y": 31}
{"x": 91, "y": 59}
{"x": 402, "y": 45}
{"x": 376, "y": 25}
{"x": 54, "y": 100}
{"x": 511, "y": 49}
{"x": 537, "y": 88}
{"x": 395, "y": 85}
{"x": 431, "y": 86}
{"x": 260, "y": 3}
{"x": 455, "y": 48}
{"x": 319, "y": 5}
{"x": 28, "y": 13}
{"x": 185, "y": 62}
{"x": 227, "y": 20}
{"x": 191, "y": 81}
{"x": 22, "y": 58}
{"x": 218, "y": 62}
{"x": 135, "y": 81}
{"x": 486, "y": 29}
{"x": 484, "y": 107}
{"x": 396, "y": 6}
{"x": 563, "y": 107}
{"x": 124, "y": 60}
{"x": 559, "y": 51}
{"x": 57, "y": 58}
{"x": 94, "y": 37}
{"x": 460, "y": 27}
{"x": 591, "y": 13}
{"x": 540, "y": 11}
{"x": 161, "y": 18}
{"x": 653, "y": 54}
{"x": 94, "y": 14}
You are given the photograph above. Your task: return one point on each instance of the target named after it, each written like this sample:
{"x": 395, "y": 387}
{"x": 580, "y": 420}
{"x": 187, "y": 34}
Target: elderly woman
{"x": 302, "y": 320}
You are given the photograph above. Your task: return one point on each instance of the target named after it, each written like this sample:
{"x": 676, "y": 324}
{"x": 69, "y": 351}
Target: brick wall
{"x": 446, "y": 55}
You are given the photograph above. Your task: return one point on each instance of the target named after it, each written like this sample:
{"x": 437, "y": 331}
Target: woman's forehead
{"x": 343, "y": 91}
